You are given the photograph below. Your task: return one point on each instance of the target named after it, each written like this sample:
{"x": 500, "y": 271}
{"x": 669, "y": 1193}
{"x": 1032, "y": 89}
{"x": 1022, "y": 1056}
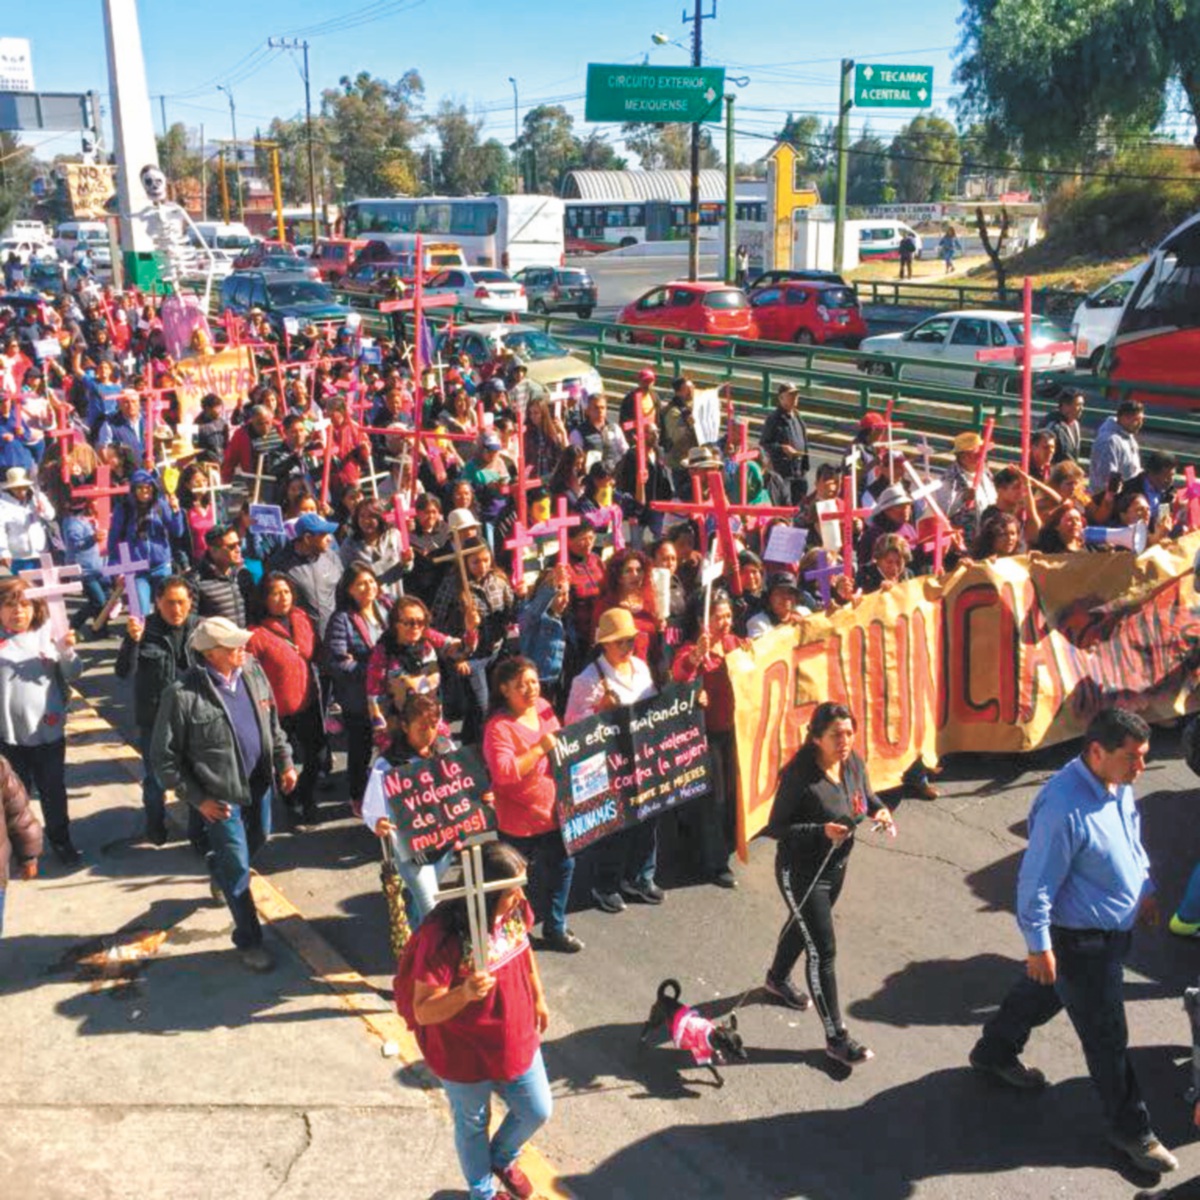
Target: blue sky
{"x": 467, "y": 49}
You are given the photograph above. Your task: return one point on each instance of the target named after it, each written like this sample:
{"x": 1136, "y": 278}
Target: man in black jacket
{"x": 221, "y": 581}
{"x": 156, "y": 654}
{"x": 784, "y": 437}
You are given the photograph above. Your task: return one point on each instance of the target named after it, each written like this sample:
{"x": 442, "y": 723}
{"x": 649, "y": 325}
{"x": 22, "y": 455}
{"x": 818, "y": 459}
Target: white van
{"x": 1095, "y": 320}
{"x": 28, "y": 231}
{"x": 92, "y": 236}
{"x": 226, "y": 235}
{"x": 881, "y": 238}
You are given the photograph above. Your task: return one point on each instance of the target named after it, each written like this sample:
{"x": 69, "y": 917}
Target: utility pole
{"x": 698, "y": 17}
{"x": 237, "y": 153}
{"x": 203, "y": 178}
{"x": 843, "y": 152}
{"x": 730, "y": 196}
{"x": 517, "y": 133}
{"x": 162, "y": 108}
{"x": 295, "y": 44}
{"x": 224, "y": 189}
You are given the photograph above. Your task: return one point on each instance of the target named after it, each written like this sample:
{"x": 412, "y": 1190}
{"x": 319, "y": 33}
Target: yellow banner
{"x": 1006, "y": 656}
{"x": 229, "y": 373}
{"x": 89, "y": 188}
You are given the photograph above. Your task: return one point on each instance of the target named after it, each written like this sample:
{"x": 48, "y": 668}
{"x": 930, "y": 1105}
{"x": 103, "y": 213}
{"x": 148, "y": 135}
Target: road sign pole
{"x": 843, "y": 149}
{"x": 730, "y": 197}
{"x": 694, "y": 197}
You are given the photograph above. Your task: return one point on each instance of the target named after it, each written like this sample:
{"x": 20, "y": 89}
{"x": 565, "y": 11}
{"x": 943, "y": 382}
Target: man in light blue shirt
{"x": 1083, "y": 883}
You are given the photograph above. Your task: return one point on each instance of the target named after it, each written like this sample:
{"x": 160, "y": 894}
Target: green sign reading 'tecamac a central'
{"x": 654, "y": 94}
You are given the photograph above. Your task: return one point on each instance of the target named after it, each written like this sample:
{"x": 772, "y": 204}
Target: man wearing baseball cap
{"x": 311, "y": 561}
{"x": 218, "y": 742}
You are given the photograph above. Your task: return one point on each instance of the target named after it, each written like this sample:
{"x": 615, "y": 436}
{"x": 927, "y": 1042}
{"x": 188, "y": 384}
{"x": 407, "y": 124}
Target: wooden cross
{"x": 102, "y": 492}
{"x": 459, "y": 555}
{"x": 258, "y": 476}
{"x": 127, "y": 569}
{"x": 1191, "y": 494}
{"x": 716, "y": 504}
{"x": 53, "y": 590}
{"x": 926, "y": 492}
{"x": 371, "y": 477}
{"x": 825, "y": 571}
{"x": 474, "y": 890}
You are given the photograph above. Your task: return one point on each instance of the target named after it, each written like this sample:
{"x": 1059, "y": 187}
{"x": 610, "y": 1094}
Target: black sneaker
{"x": 564, "y": 942}
{"x": 65, "y": 852}
{"x": 787, "y": 993}
{"x": 609, "y": 902}
{"x": 1146, "y": 1153}
{"x": 647, "y": 893}
{"x": 845, "y": 1049}
{"x": 725, "y": 878}
{"x": 1014, "y": 1074}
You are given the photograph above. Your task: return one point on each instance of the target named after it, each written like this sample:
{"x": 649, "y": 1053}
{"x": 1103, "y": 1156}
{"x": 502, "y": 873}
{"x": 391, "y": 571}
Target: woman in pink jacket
{"x": 517, "y": 742}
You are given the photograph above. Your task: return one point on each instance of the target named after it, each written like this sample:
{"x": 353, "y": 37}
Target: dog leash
{"x": 791, "y": 918}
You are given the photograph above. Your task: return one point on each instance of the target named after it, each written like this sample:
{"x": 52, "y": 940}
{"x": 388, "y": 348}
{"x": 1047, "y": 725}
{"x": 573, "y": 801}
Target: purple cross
{"x": 825, "y": 571}
{"x": 52, "y": 589}
{"x": 128, "y": 569}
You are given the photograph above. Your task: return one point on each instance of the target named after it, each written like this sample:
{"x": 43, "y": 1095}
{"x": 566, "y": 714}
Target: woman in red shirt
{"x": 284, "y": 641}
{"x": 480, "y": 1030}
{"x": 627, "y": 585}
{"x": 517, "y": 742}
{"x": 715, "y": 815}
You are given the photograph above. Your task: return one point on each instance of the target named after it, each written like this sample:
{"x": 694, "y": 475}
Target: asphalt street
{"x": 927, "y": 948}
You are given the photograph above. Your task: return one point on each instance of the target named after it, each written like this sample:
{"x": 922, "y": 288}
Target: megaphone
{"x": 1126, "y": 537}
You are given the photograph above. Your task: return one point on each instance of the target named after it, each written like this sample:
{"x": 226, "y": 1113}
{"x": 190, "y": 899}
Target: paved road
{"x": 928, "y": 946}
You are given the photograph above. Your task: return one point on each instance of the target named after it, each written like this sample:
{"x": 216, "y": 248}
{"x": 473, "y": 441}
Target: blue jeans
{"x": 1089, "y": 986}
{"x": 422, "y": 883}
{"x": 1189, "y": 906}
{"x": 551, "y": 870}
{"x": 475, "y": 688}
{"x": 232, "y": 843}
{"x": 630, "y": 856}
{"x": 529, "y": 1105}
{"x": 153, "y": 794}
{"x": 2, "y": 892}
{"x": 146, "y": 581}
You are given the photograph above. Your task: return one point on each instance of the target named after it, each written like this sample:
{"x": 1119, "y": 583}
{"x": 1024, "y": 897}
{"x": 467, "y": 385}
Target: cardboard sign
{"x": 46, "y": 348}
{"x": 786, "y": 545}
{"x": 266, "y": 518}
{"x": 630, "y": 764}
{"x": 706, "y": 415}
{"x": 436, "y": 802}
{"x": 229, "y": 374}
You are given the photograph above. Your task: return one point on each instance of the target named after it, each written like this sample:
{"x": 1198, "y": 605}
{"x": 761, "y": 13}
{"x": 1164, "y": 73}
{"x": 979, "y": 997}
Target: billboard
{"x": 16, "y": 65}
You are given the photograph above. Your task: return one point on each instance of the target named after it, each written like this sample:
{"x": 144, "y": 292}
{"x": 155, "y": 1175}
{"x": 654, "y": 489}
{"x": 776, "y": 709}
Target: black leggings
{"x": 809, "y": 930}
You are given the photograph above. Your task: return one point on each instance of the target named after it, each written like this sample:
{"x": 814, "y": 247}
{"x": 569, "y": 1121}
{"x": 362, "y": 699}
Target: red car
{"x": 334, "y": 256}
{"x": 705, "y": 313}
{"x": 811, "y": 313}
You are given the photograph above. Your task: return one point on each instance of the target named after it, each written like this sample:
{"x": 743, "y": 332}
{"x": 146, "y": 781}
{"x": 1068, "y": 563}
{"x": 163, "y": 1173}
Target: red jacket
{"x": 718, "y": 716}
{"x": 285, "y": 651}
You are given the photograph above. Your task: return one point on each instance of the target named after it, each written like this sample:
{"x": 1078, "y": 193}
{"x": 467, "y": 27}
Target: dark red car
{"x": 704, "y": 313}
{"x": 811, "y": 313}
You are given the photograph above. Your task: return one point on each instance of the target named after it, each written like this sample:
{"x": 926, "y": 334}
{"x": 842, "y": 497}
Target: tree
{"x": 372, "y": 125}
{"x": 866, "y": 170}
{"x": 179, "y": 163}
{"x": 924, "y": 158}
{"x": 595, "y": 154}
{"x": 460, "y": 163}
{"x": 814, "y": 144}
{"x": 547, "y": 148}
{"x": 1058, "y": 72}
{"x": 995, "y": 250}
{"x": 668, "y": 147}
{"x": 18, "y": 170}
{"x": 291, "y": 136}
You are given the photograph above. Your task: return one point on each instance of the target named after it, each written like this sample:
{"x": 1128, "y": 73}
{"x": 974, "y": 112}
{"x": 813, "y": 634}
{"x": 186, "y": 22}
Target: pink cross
{"x": 989, "y": 427}
{"x": 848, "y": 514}
{"x": 156, "y": 405}
{"x": 559, "y": 524}
{"x": 940, "y": 539}
{"x": 1191, "y": 493}
{"x": 52, "y": 589}
{"x": 127, "y": 569}
{"x": 67, "y": 435}
{"x": 521, "y": 539}
{"x": 638, "y": 425}
{"x": 102, "y": 492}
{"x": 612, "y": 519}
{"x": 402, "y": 514}
{"x": 743, "y": 457}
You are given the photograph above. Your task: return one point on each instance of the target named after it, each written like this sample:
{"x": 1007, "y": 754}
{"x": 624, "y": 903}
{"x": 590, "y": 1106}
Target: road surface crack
{"x": 304, "y": 1149}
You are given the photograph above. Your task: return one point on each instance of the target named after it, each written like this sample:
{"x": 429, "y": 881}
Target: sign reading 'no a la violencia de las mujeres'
{"x": 619, "y": 92}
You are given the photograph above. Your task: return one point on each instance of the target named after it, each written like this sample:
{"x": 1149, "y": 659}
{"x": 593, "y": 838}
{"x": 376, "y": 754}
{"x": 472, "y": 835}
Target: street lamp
{"x": 516, "y": 132}
{"x": 237, "y": 158}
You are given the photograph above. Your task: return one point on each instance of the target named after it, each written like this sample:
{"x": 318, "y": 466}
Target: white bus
{"x": 593, "y": 226}
{"x": 511, "y": 232}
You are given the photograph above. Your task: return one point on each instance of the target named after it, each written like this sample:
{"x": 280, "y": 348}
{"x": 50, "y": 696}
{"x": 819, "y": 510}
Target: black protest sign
{"x": 436, "y": 802}
{"x": 630, "y": 764}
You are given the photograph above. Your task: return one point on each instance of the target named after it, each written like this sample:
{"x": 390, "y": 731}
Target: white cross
{"x": 128, "y": 569}
{"x": 258, "y": 476}
{"x": 52, "y": 590}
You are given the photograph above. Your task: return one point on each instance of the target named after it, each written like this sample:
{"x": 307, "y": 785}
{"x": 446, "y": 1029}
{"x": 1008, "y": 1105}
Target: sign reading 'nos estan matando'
{"x": 619, "y": 92}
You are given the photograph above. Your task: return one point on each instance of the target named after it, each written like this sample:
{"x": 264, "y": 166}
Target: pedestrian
{"x": 1115, "y": 450}
{"x": 20, "y": 834}
{"x": 949, "y": 247}
{"x": 479, "y": 1031}
{"x": 823, "y": 794}
{"x": 218, "y": 742}
{"x": 35, "y": 674}
{"x": 517, "y": 743}
{"x": 742, "y": 267}
{"x": 1063, "y": 422}
{"x": 156, "y": 653}
{"x": 784, "y": 438}
{"x": 312, "y": 563}
{"x": 1083, "y": 883}
{"x": 908, "y": 250}
{"x": 150, "y": 525}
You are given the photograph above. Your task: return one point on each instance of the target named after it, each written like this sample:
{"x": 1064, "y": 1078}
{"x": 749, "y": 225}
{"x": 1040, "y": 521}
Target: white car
{"x": 946, "y": 349}
{"x": 26, "y": 250}
{"x": 480, "y": 287}
{"x": 1096, "y": 318}
{"x": 549, "y": 363}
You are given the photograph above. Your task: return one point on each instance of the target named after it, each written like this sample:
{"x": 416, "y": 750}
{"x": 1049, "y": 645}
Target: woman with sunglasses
{"x": 628, "y": 585}
{"x": 823, "y": 794}
{"x": 617, "y": 676}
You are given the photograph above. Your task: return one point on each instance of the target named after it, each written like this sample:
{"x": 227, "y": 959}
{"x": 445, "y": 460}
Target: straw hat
{"x": 967, "y": 442}
{"x": 616, "y": 624}
{"x": 16, "y": 477}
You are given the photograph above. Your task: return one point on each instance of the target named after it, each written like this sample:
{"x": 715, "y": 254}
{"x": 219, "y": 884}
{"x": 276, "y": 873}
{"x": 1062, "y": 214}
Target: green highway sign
{"x": 654, "y": 94}
{"x": 877, "y": 85}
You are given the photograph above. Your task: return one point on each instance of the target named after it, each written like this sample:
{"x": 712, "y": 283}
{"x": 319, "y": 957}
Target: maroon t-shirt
{"x": 493, "y": 1038}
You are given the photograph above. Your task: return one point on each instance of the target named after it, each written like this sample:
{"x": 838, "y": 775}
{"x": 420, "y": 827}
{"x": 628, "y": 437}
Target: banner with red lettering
{"x": 1003, "y": 656}
{"x": 229, "y": 373}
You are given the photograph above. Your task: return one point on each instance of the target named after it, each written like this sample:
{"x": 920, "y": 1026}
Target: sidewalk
{"x": 142, "y": 1061}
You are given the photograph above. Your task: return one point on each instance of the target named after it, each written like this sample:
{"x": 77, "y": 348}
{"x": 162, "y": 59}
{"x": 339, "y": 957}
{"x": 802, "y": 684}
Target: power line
{"x": 366, "y": 15}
